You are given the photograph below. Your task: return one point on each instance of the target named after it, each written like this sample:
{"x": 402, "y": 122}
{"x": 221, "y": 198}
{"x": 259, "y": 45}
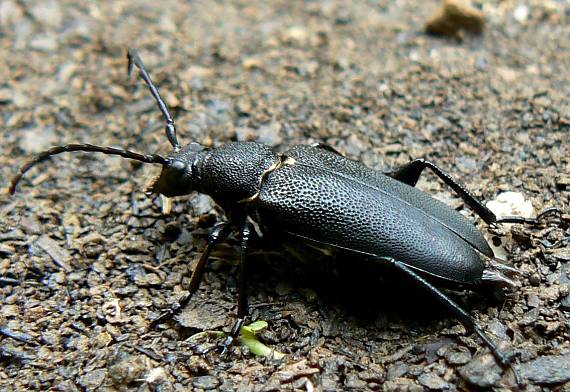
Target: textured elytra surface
{"x": 413, "y": 201}
{"x": 86, "y": 258}
{"x": 327, "y": 203}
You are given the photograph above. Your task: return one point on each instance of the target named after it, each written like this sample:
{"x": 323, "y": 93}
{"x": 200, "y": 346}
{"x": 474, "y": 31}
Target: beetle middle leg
{"x": 465, "y": 318}
{"x": 242, "y": 312}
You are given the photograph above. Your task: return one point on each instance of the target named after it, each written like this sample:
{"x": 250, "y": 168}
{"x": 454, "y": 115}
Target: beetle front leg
{"x": 242, "y": 312}
{"x": 465, "y": 318}
{"x": 219, "y": 233}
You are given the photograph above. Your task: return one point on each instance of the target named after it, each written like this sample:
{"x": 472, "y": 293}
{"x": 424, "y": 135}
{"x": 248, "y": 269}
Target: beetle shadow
{"x": 362, "y": 291}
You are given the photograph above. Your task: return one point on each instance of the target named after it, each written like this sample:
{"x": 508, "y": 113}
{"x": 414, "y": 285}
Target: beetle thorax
{"x": 233, "y": 172}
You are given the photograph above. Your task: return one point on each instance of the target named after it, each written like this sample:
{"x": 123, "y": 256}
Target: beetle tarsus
{"x": 226, "y": 345}
{"x": 175, "y": 308}
{"x": 530, "y": 221}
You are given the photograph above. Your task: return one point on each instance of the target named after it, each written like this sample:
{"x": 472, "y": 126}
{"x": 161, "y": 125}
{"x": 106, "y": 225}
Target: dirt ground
{"x": 87, "y": 260}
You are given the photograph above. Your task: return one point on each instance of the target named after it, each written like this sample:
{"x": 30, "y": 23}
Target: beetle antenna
{"x": 42, "y": 156}
{"x": 134, "y": 59}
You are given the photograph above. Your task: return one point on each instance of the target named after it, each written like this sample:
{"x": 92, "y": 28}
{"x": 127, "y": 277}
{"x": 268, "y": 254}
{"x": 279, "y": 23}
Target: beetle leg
{"x": 218, "y": 234}
{"x": 465, "y": 318}
{"x": 242, "y": 290}
{"x": 242, "y": 293}
{"x": 530, "y": 221}
{"x": 325, "y": 146}
{"x": 410, "y": 173}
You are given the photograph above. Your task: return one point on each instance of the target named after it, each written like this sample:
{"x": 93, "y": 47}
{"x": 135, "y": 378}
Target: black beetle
{"x": 314, "y": 194}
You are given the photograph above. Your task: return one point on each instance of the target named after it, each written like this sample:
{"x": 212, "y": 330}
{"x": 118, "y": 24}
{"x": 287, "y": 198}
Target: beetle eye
{"x": 178, "y": 165}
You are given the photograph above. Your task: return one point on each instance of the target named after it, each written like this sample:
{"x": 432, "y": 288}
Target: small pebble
{"x": 482, "y": 371}
{"x": 433, "y": 381}
{"x": 553, "y": 369}
{"x": 205, "y": 382}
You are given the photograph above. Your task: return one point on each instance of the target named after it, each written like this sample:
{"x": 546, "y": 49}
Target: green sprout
{"x": 247, "y": 337}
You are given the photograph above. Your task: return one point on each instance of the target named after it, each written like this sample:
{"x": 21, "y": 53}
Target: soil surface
{"x": 87, "y": 260}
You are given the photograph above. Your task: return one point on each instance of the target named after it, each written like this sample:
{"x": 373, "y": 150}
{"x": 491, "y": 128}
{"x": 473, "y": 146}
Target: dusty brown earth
{"x": 87, "y": 259}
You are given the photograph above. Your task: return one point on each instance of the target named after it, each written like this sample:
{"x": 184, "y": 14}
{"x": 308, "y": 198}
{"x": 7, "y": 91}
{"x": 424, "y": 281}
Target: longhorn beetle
{"x": 314, "y": 194}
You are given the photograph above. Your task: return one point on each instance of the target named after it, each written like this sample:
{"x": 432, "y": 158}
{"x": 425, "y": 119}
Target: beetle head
{"x": 178, "y": 174}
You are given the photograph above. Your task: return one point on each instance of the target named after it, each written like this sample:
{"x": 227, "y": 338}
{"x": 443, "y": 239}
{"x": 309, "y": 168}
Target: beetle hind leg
{"x": 410, "y": 174}
{"x": 465, "y": 318}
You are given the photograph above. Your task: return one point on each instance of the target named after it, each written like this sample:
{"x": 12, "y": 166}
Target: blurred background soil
{"x": 87, "y": 259}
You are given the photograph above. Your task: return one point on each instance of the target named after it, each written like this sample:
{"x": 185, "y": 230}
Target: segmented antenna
{"x": 134, "y": 59}
{"x": 42, "y": 156}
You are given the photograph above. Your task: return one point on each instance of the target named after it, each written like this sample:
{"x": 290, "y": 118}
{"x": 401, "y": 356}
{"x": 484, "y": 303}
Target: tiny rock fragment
{"x": 134, "y": 246}
{"x": 156, "y": 375}
{"x": 128, "y": 369}
{"x": 166, "y": 205}
{"x": 7, "y": 250}
{"x": 563, "y": 181}
{"x": 553, "y": 369}
{"x": 508, "y": 204}
{"x": 296, "y": 370}
{"x": 252, "y": 63}
{"x": 458, "y": 356}
{"x": 296, "y": 35}
{"x": 196, "y": 71}
{"x": 93, "y": 379}
{"x": 20, "y": 336}
{"x": 521, "y": 13}
{"x": 433, "y": 381}
{"x": 455, "y": 16}
{"x": 9, "y": 351}
{"x": 37, "y": 139}
{"x": 5, "y": 96}
{"x": 206, "y": 382}
{"x": 511, "y": 204}
{"x": 482, "y": 371}
{"x": 57, "y": 253}
{"x": 508, "y": 74}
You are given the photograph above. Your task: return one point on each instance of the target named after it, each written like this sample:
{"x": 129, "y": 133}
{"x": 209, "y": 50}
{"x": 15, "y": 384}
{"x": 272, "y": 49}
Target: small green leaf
{"x": 247, "y": 338}
{"x": 257, "y": 326}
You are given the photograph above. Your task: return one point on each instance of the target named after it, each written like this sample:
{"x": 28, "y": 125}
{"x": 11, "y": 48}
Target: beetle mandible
{"x": 314, "y": 194}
